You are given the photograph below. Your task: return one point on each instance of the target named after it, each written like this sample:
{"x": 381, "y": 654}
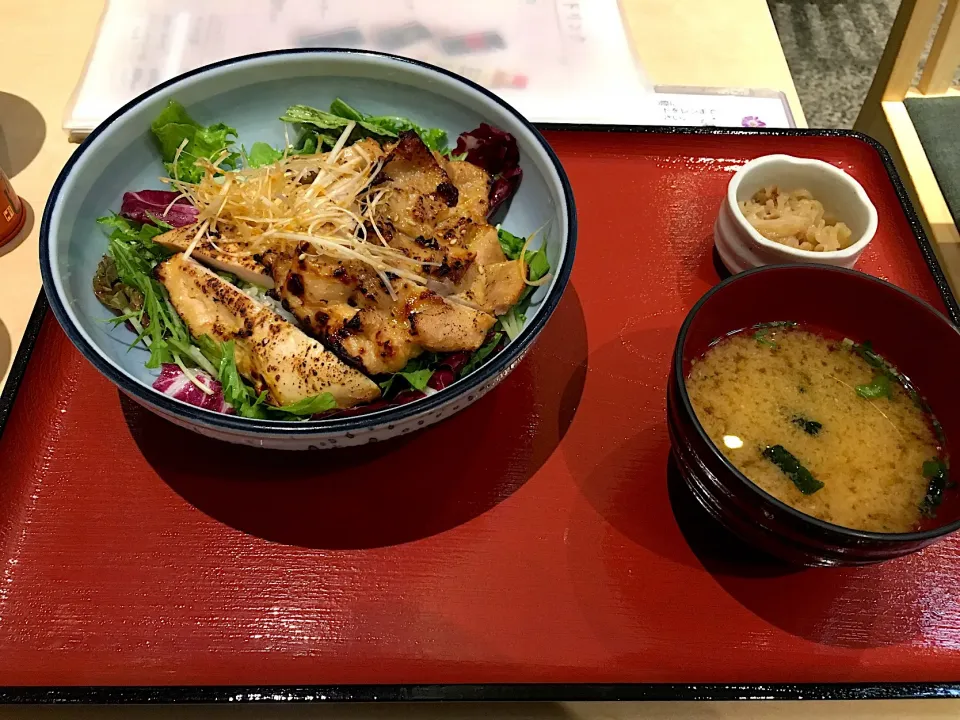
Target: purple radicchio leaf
{"x": 496, "y": 152}
{"x": 147, "y": 206}
{"x": 174, "y": 383}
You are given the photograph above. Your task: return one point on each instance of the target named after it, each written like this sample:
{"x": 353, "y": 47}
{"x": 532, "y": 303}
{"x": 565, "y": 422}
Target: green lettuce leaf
{"x": 330, "y": 124}
{"x": 248, "y": 403}
{"x": 538, "y": 266}
{"x": 306, "y": 115}
{"x": 418, "y": 379}
{"x": 392, "y": 126}
{"x": 537, "y": 263}
{"x": 135, "y": 255}
{"x": 511, "y": 244}
{"x": 139, "y": 235}
{"x": 262, "y": 154}
{"x": 416, "y": 372}
{"x": 339, "y": 108}
{"x": 511, "y": 322}
{"x": 308, "y": 143}
{"x": 241, "y": 396}
{"x": 480, "y": 356}
{"x": 174, "y": 125}
{"x": 210, "y": 348}
{"x": 309, "y": 406}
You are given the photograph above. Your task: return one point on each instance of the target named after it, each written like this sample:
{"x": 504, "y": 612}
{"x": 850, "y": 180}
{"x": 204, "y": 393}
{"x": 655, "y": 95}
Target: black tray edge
{"x": 545, "y": 692}
{"x": 504, "y": 692}
{"x": 20, "y": 361}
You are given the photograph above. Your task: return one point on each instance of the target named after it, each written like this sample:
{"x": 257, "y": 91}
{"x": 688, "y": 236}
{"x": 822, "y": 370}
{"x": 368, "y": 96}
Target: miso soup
{"x": 826, "y": 426}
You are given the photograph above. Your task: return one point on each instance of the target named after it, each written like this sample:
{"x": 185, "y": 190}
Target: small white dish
{"x": 742, "y": 247}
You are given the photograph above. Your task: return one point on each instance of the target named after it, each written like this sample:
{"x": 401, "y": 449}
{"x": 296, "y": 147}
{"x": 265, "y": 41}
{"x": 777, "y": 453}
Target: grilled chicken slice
{"x": 485, "y": 245}
{"x": 270, "y": 352}
{"x": 243, "y": 266}
{"x": 420, "y": 193}
{"x": 492, "y": 282}
{"x": 346, "y": 305}
{"x": 435, "y": 211}
{"x": 418, "y": 212}
{"x": 473, "y": 185}
{"x": 496, "y": 287}
{"x": 443, "y": 326}
{"x": 430, "y": 196}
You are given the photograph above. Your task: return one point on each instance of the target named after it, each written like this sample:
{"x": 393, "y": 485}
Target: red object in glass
{"x": 537, "y": 536}
{"x": 12, "y": 213}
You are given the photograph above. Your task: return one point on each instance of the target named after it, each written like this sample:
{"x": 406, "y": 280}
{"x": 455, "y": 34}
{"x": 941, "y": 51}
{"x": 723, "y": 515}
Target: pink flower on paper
{"x": 752, "y": 121}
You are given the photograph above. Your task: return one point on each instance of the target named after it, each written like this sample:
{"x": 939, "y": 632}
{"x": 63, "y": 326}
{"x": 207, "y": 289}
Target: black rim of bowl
{"x": 501, "y": 363}
{"x": 762, "y": 494}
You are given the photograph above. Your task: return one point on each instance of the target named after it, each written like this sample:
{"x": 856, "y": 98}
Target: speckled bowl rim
{"x": 796, "y": 254}
{"x": 763, "y": 495}
{"x": 500, "y": 364}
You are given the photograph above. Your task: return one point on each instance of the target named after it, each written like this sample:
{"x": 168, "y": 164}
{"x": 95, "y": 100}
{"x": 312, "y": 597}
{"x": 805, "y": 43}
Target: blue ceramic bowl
{"x": 250, "y": 93}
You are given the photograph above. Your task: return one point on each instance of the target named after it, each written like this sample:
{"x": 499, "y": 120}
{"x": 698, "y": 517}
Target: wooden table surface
{"x": 678, "y": 42}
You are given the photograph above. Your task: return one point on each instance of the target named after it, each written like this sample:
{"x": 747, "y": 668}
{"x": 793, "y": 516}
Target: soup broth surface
{"x": 792, "y": 409}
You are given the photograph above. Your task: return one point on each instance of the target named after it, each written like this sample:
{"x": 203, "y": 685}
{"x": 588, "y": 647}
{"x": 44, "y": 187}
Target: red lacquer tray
{"x": 536, "y": 545}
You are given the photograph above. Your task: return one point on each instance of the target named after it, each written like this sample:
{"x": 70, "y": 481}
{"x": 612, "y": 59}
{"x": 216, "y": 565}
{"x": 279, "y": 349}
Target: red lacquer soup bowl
{"x": 919, "y": 341}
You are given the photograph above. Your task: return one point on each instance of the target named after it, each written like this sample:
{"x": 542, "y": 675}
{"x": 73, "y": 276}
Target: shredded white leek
{"x": 176, "y": 158}
{"x": 272, "y": 208}
{"x": 192, "y": 376}
{"x": 341, "y": 141}
{"x": 201, "y": 231}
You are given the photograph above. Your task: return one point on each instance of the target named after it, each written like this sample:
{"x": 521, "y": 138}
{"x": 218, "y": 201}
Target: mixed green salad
{"x": 202, "y": 370}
